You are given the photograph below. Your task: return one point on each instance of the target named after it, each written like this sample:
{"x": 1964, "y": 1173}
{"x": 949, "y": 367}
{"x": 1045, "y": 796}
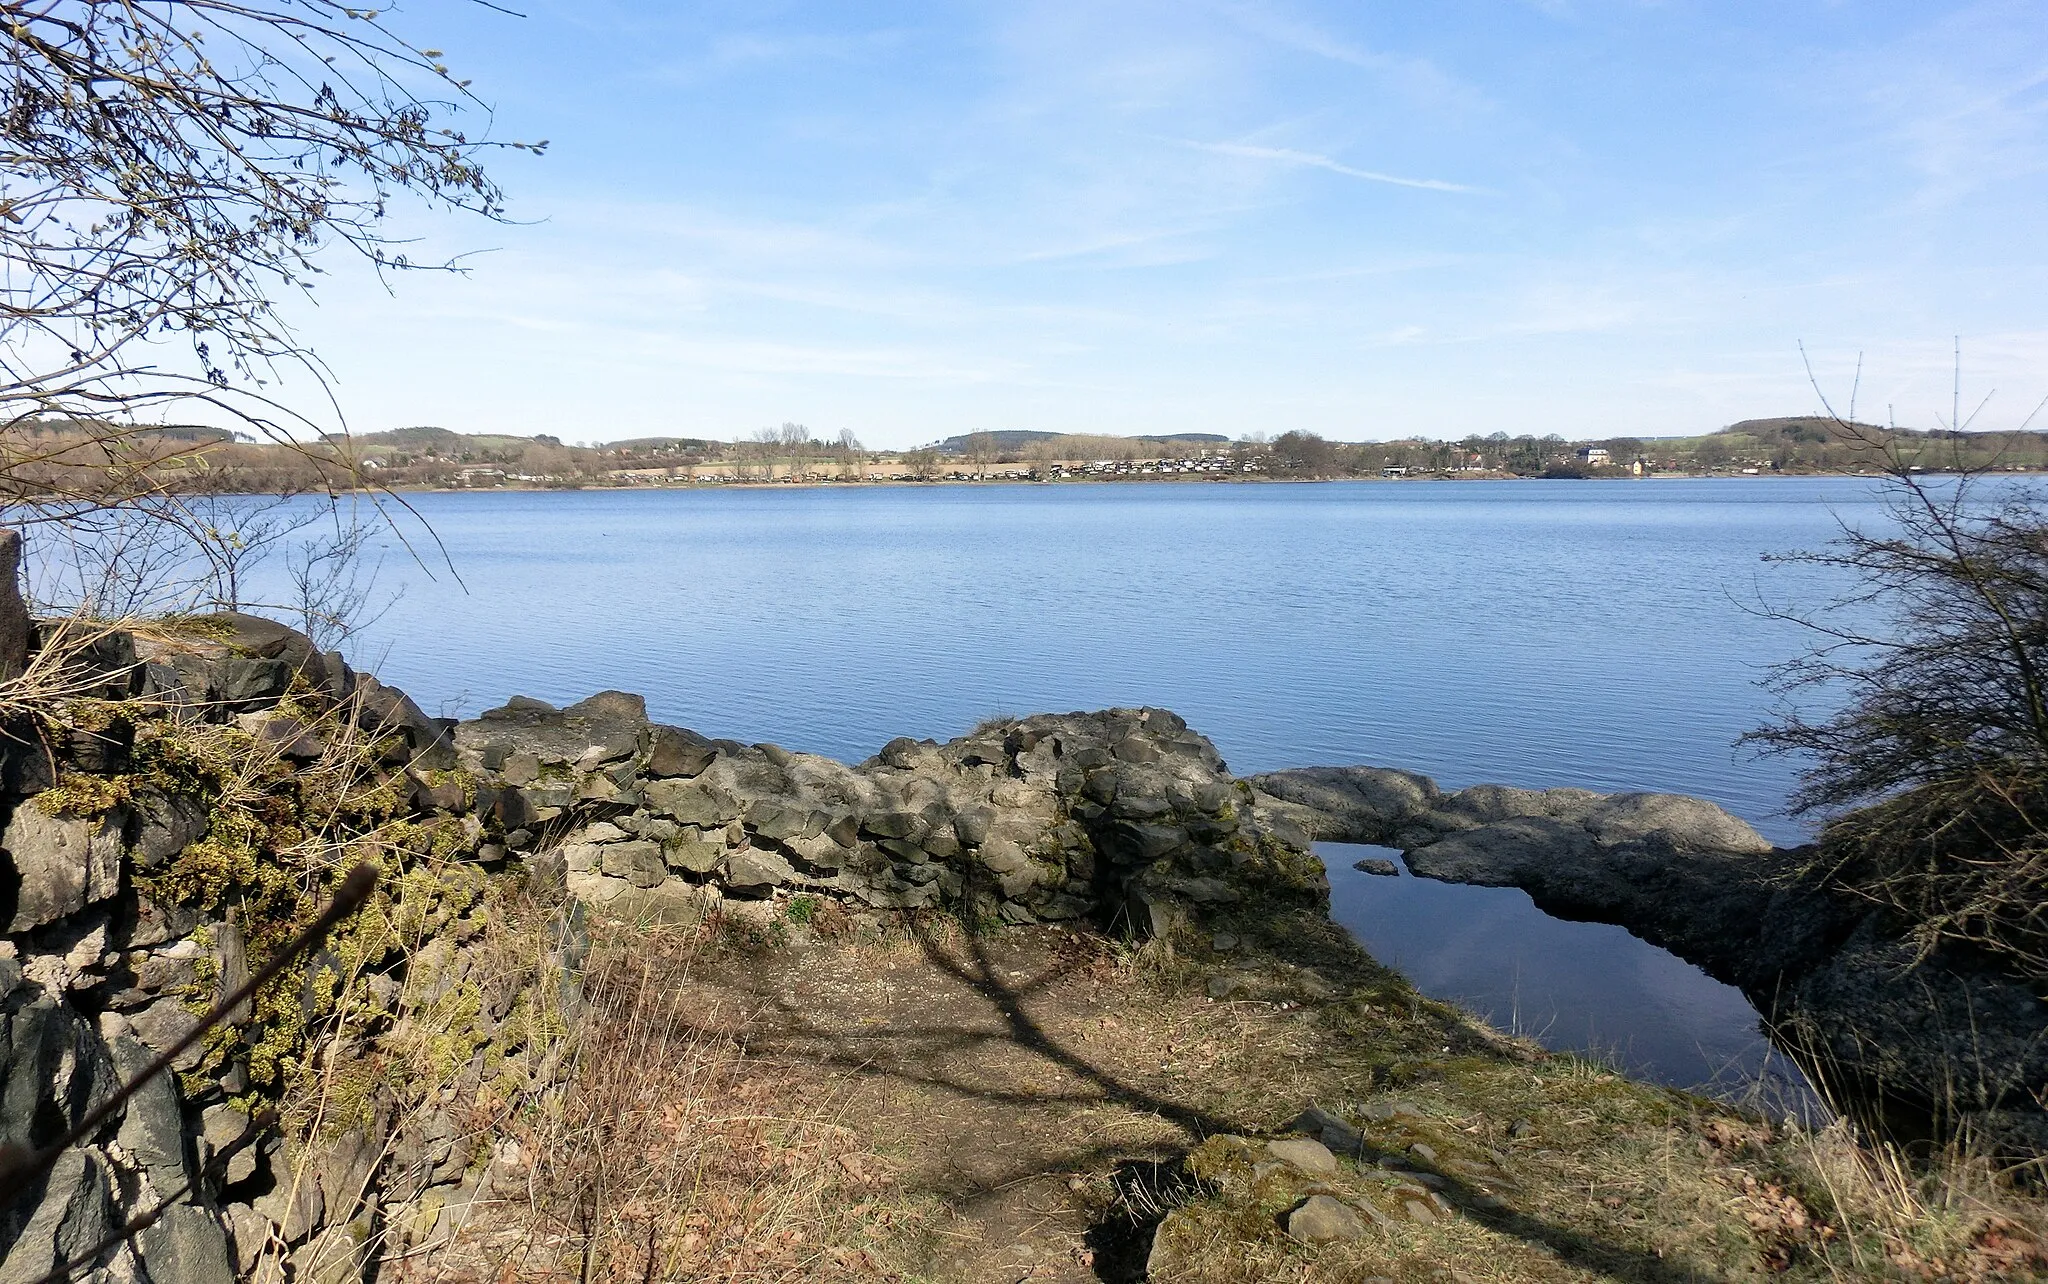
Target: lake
{"x": 1598, "y": 634}
{"x": 1535, "y": 633}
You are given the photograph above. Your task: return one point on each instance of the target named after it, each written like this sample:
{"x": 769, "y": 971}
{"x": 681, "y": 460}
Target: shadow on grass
{"x": 992, "y": 1013}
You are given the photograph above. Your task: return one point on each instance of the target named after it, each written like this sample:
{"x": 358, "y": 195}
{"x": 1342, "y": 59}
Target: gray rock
{"x": 1001, "y": 856}
{"x": 752, "y": 868}
{"x": 222, "y": 1128}
{"x": 1136, "y": 749}
{"x": 777, "y": 822}
{"x": 902, "y": 753}
{"x": 63, "y": 863}
{"x": 1135, "y": 806}
{"x": 162, "y": 1024}
{"x": 1306, "y": 1154}
{"x": 16, "y": 630}
{"x": 1687, "y": 824}
{"x": 692, "y": 802}
{"x": 1335, "y": 1132}
{"x": 188, "y": 1245}
{"x": 152, "y": 1125}
{"x": 1140, "y": 844}
{"x": 74, "y": 1215}
{"x": 1353, "y": 804}
{"x": 693, "y": 855}
{"x": 1322, "y": 1219}
{"x": 672, "y": 751}
{"x": 294, "y": 1203}
{"x": 1376, "y": 865}
{"x": 607, "y": 727}
{"x": 638, "y": 861}
{"x": 164, "y": 826}
{"x": 907, "y": 825}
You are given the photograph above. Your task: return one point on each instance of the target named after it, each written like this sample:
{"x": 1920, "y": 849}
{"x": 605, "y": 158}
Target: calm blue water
{"x": 1583, "y": 987}
{"x": 1534, "y": 633}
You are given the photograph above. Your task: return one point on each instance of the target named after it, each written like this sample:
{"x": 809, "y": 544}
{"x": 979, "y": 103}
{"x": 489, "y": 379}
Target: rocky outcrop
{"x": 1937, "y": 1041}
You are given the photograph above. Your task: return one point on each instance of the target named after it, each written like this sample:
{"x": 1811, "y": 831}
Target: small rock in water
{"x": 1377, "y": 865}
{"x": 1321, "y": 1219}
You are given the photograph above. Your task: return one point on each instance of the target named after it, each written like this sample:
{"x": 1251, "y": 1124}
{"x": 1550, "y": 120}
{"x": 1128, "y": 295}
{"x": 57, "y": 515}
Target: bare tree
{"x": 1931, "y": 766}
{"x": 981, "y": 448}
{"x": 169, "y": 172}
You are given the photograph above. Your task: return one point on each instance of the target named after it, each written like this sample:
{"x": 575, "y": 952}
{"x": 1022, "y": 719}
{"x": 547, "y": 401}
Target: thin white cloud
{"x": 1315, "y": 160}
{"x": 1293, "y": 33}
{"x": 1420, "y": 77}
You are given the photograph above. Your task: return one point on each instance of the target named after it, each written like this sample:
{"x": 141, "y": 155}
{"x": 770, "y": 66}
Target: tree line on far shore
{"x": 50, "y": 455}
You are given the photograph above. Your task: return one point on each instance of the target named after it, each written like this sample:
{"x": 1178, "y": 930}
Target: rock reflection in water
{"x": 1580, "y": 987}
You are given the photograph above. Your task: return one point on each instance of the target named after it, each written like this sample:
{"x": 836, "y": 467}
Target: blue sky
{"x": 1589, "y": 217}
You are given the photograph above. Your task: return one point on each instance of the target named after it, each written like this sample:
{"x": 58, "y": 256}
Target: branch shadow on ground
{"x": 938, "y": 1056}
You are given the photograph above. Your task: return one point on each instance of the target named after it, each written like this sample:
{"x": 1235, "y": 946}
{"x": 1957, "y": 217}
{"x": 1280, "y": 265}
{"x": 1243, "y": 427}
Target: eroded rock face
{"x": 1945, "y": 1039}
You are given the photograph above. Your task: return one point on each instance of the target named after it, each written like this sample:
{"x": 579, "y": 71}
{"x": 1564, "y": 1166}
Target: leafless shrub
{"x": 1933, "y": 770}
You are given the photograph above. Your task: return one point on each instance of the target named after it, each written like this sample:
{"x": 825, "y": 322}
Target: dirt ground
{"x": 1004, "y": 1077}
{"x": 801, "y": 1094}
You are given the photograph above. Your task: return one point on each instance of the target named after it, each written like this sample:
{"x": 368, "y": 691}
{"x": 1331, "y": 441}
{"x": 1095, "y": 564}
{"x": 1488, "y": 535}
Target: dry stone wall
{"x": 1125, "y": 816}
{"x": 135, "y": 873}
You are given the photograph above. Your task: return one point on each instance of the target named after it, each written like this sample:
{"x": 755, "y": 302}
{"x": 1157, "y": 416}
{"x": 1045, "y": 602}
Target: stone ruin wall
{"x": 1125, "y": 818}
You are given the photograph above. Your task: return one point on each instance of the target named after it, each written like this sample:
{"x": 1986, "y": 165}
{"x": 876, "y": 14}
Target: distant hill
{"x": 653, "y": 445}
{"x": 100, "y": 428}
{"x": 441, "y": 441}
{"x": 1808, "y": 428}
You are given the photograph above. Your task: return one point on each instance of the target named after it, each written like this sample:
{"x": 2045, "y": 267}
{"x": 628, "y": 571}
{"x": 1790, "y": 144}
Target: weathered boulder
{"x": 607, "y": 727}
{"x": 1353, "y": 804}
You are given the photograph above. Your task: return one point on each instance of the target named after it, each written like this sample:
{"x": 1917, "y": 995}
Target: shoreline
{"x": 894, "y": 484}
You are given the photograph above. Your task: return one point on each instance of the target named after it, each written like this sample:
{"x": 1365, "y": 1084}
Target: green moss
{"x": 79, "y": 794}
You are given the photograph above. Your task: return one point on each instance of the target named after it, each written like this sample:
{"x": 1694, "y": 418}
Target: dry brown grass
{"x": 667, "y": 1154}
